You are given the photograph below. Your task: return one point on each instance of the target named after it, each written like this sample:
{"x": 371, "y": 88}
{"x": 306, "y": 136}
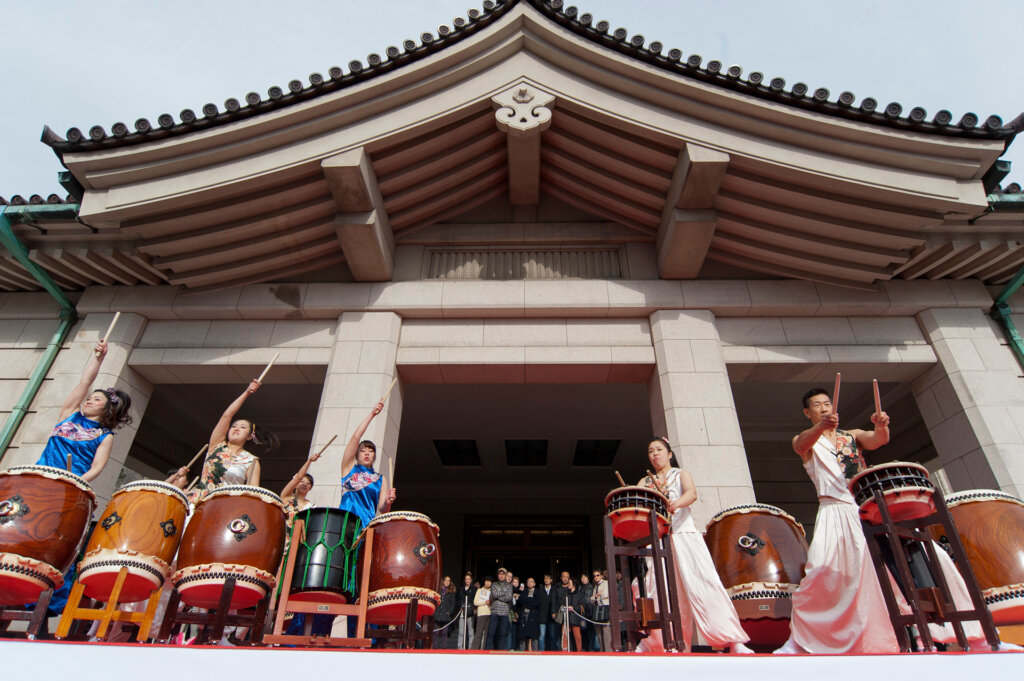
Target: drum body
{"x": 759, "y": 552}
{"x": 406, "y": 564}
{"x": 630, "y": 508}
{"x": 326, "y": 560}
{"x": 990, "y": 525}
{"x": 44, "y": 513}
{"x": 904, "y": 485}
{"x": 140, "y": 529}
{"x": 235, "y": 531}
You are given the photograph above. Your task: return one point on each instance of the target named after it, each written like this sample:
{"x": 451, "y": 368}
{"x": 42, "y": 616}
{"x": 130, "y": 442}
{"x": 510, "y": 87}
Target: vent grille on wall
{"x": 576, "y": 263}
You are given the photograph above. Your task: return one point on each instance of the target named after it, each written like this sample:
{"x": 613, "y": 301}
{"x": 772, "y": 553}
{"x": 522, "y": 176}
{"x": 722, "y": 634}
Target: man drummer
{"x": 838, "y": 607}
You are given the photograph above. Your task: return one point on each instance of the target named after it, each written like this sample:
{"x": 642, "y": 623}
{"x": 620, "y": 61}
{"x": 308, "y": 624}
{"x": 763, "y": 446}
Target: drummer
{"x": 229, "y": 461}
{"x": 838, "y": 607}
{"x": 87, "y": 423}
{"x": 703, "y": 602}
{"x": 85, "y": 434}
{"x": 294, "y": 493}
{"x": 364, "y": 491}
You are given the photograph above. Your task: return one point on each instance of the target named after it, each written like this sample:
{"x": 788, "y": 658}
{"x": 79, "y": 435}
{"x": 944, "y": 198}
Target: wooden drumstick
{"x": 69, "y": 462}
{"x": 878, "y": 399}
{"x": 117, "y": 315}
{"x": 391, "y": 471}
{"x": 835, "y": 395}
{"x": 324, "y": 448}
{"x": 198, "y": 454}
{"x": 193, "y": 483}
{"x": 390, "y": 388}
{"x": 269, "y": 364}
{"x": 655, "y": 481}
{"x": 622, "y": 483}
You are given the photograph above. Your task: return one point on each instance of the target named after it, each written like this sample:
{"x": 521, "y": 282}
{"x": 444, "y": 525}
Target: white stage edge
{"x": 37, "y": 660}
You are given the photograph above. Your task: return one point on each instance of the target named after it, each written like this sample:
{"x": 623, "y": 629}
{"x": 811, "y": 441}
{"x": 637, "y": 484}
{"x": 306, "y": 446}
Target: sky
{"x": 66, "y": 63}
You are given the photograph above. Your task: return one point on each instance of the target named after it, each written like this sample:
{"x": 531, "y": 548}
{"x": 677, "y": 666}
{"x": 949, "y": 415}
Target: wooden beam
{"x": 687, "y": 222}
{"x": 362, "y": 227}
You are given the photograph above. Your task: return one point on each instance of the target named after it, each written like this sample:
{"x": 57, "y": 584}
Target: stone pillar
{"x": 691, "y": 395}
{"x": 972, "y": 402}
{"x": 65, "y": 374}
{"x": 361, "y": 368}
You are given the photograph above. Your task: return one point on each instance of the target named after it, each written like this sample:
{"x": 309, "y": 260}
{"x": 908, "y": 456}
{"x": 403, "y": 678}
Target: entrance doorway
{"x": 528, "y": 546}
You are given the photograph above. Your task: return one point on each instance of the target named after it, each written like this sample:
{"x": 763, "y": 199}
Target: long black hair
{"x": 115, "y": 412}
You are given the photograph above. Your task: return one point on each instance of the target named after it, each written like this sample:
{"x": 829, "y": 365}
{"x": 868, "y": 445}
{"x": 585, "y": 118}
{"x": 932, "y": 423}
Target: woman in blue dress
{"x": 87, "y": 423}
{"x": 364, "y": 491}
{"x": 85, "y": 433}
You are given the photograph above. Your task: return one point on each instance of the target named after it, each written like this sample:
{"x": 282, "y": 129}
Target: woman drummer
{"x": 364, "y": 491}
{"x": 703, "y": 601}
{"x": 229, "y": 461}
{"x": 87, "y": 423}
{"x": 294, "y": 493}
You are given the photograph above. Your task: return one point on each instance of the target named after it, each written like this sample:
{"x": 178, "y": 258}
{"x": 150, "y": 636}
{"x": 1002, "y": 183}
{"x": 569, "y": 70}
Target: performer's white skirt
{"x": 839, "y": 607}
{"x": 703, "y": 602}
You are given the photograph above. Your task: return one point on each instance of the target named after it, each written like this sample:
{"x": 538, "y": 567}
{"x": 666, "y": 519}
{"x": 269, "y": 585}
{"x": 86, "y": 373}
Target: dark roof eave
{"x": 583, "y": 25}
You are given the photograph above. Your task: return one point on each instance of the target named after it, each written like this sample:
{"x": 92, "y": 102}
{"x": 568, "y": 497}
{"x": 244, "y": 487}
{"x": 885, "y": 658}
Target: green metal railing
{"x": 68, "y": 313}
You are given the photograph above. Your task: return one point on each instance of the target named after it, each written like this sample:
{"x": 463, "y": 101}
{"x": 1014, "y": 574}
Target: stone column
{"x": 691, "y": 395}
{"x": 972, "y": 402}
{"x": 361, "y": 368}
{"x": 65, "y": 374}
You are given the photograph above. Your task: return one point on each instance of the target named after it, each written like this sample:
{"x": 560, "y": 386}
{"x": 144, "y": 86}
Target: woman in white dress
{"x": 703, "y": 603}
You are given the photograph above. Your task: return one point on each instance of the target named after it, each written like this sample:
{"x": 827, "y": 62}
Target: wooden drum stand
{"x": 640, "y": 614}
{"x": 74, "y": 611}
{"x": 930, "y": 604}
{"x": 320, "y": 608}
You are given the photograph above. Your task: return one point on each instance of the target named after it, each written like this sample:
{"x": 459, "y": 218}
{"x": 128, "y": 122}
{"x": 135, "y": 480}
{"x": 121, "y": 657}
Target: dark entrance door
{"x": 529, "y": 546}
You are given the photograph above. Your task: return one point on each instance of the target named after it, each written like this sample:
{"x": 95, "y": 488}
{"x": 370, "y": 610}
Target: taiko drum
{"x": 759, "y": 552}
{"x": 44, "y": 513}
{"x": 406, "y": 564}
{"x": 905, "y": 487}
{"x": 990, "y": 525}
{"x": 140, "y": 530}
{"x": 235, "y": 531}
{"x": 630, "y": 509}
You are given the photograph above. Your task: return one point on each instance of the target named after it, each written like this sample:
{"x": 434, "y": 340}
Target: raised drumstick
{"x": 878, "y": 399}
{"x": 269, "y": 364}
{"x": 193, "y": 483}
{"x": 117, "y": 315}
{"x": 835, "y": 395}
{"x": 198, "y": 454}
{"x": 391, "y": 470}
{"x": 324, "y": 448}
{"x": 390, "y": 388}
{"x": 622, "y": 483}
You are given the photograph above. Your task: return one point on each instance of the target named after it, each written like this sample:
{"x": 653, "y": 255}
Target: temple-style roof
{"x": 583, "y": 24}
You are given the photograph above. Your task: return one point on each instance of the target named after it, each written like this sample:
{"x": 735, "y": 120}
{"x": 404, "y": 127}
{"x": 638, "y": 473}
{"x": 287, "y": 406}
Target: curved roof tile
{"x": 37, "y": 200}
{"x": 583, "y": 24}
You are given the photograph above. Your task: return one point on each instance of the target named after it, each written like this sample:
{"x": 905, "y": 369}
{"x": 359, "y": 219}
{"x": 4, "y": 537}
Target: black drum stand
{"x": 35, "y": 616}
{"x": 214, "y": 621}
{"x": 910, "y": 541}
{"x": 636, "y": 615}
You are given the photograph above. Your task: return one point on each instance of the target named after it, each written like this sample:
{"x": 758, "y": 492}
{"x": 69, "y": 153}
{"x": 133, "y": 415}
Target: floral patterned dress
{"x": 222, "y": 467}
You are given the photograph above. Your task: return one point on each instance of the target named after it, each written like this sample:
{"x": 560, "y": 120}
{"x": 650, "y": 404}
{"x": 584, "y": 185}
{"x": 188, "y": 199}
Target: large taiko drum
{"x": 139, "y": 530}
{"x": 990, "y": 525}
{"x": 44, "y": 513}
{"x": 327, "y": 556}
{"x": 759, "y": 552}
{"x": 630, "y": 509}
{"x": 235, "y": 531}
{"x": 406, "y": 564}
{"x": 904, "y": 486}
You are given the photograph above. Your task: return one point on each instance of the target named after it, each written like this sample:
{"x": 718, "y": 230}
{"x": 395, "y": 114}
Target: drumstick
{"x": 117, "y": 315}
{"x": 622, "y": 483}
{"x": 198, "y": 454}
{"x": 193, "y": 483}
{"x": 324, "y": 448}
{"x": 835, "y": 395}
{"x": 269, "y": 364}
{"x": 391, "y": 471}
{"x": 654, "y": 481}
{"x": 69, "y": 462}
{"x": 878, "y": 399}
{"x": 390, "y": 388}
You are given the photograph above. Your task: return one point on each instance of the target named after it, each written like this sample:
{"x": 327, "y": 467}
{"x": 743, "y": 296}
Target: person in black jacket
{"x": 577, "y": 605}
{"x": 557, "y": 616}
{"x": 444, "y": 614}
{"x": 464, "y": 603}
{"x": 586, "y": 628}
{"x": 528, "y": 609}
{"x": 544, "y": 610}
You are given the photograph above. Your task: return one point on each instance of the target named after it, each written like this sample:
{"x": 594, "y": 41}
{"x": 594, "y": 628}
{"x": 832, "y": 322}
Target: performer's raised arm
{"x": 356, "y": 445}
{"x": 220, "y": 431}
